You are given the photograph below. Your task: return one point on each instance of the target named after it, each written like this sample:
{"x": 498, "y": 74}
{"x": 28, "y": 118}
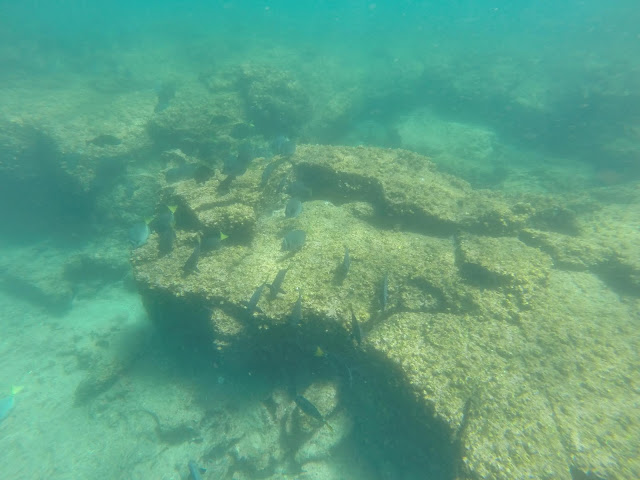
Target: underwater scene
{"x": 320, "y": 240}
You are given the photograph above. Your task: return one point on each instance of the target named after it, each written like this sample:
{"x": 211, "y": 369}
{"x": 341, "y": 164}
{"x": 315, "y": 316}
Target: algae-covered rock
{"x": 503, "y": 262}
{"x": 320, "y": 470}
{"x": 510, "y": 393}
{"x": 465, "y": 302}
{"x": 416, "y": 265}
{"x": 406, "y": 187}
{"x": 275, "y": 100}
{"x": 230, "y": 210}
{"x": 606, "y": 245}
{"x": 199, "y": 121}
{"x": 583, "y": 358}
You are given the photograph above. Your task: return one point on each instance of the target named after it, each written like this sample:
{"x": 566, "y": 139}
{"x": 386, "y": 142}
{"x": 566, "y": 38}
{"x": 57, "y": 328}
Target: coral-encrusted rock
{"x": 506, "y": 354}
{"x": 275, "y": 100}
{"x": 509, "y": 393}
{"x": 407, "y": 188}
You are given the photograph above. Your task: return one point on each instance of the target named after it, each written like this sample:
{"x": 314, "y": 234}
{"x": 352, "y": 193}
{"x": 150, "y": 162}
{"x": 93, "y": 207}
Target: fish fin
{"x": 223, "y": 236}
{"x": 148, "y": 220}
{"x": 16, "y": 389}
{"x": 173, "y": 208}
{"x": 319, "y": 352}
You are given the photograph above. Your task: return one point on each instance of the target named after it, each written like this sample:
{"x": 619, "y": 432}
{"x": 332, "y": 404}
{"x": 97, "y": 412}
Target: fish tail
{"x": 173, "y": 208}
{"x": 223, "y": 236}
{"x": 16, "y": 389}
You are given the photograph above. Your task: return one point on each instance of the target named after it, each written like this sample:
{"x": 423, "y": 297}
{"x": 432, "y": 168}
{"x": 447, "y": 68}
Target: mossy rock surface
{"x": 407, "y": 188}
{"x": 527, "y": 400}
{"x": 492, "y": 337}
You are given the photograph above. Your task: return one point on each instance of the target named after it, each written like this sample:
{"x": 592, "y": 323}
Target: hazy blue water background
{"x": 557, "y": 97}
{"x": 581, "y": 54}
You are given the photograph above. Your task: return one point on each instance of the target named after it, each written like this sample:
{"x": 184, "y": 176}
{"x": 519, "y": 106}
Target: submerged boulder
{"x": 464, "y": 310}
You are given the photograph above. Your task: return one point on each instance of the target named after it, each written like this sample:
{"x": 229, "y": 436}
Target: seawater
{"x": 533, "y": 103}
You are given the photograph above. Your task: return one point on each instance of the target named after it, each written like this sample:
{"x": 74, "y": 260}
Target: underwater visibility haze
{"x": 320, "y": 240}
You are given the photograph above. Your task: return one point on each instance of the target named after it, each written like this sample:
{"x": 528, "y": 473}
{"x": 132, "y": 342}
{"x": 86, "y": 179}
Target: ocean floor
{"x": 46, "y": 436}
{"x": 157, "y": 412}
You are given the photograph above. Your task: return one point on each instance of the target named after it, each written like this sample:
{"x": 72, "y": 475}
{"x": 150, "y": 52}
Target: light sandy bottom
{"x": 117, "y": 435}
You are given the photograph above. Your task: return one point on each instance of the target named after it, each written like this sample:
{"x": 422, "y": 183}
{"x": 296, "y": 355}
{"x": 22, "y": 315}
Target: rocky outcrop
{"x": 522, "y": 363}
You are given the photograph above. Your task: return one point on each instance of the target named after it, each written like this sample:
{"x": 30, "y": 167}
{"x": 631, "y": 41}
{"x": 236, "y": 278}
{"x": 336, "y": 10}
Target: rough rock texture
{"x": 523, "y": 348}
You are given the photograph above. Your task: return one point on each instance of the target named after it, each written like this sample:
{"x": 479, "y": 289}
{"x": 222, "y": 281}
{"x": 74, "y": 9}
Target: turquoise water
{"x": 110, "y": 113}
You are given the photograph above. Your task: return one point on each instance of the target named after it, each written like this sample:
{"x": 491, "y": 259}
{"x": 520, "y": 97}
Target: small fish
{"x": 7, "y": 403}
{"x": 188, "y": 171}
{"x": 212, "y": 241}
{"x": 166, "y": 92}
{"x": 166, "y": 220}
{"x": 299, "y": 190}
{"x": 234, "y": 166}
{"x": 224, "y": 187}
{"x": 284, "y": 146}
{"x": 293, "y": 241}
{"x": 310, "y": 409}
{"x": 191, "y": 265}
{"x": 268, "y": 170}
{"x": 252, "y": 304}
{"x": 384, "y": 294}
{"x": 339, "y": 363}
{"x": 293, "y": 208}
{"x": 296, "y": 314}
{"x": 276, "y": 286}
{"x": 104, "y": 141}
{"x": 195, "y": 470}
{"x": 346, "y": 263}
{"x": 139, "y": 234}
{"x": 165, "y": 240}
{"x": 241, "y": 130}
{"x": 356, "y": 331}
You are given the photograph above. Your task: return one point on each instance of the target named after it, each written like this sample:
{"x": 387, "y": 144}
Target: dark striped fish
{"x": 310, "y": 409}
{"x": 296, "y": 313}
{"x": 252, "y": 304}
{"x": 191, "y": 265}
{"x": 276, "y": 286}
{"x": 195, "y": 470}
{"x": 346, "y": 263}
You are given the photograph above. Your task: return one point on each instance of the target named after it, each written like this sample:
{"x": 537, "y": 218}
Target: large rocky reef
{"x": 512, "y": 341}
